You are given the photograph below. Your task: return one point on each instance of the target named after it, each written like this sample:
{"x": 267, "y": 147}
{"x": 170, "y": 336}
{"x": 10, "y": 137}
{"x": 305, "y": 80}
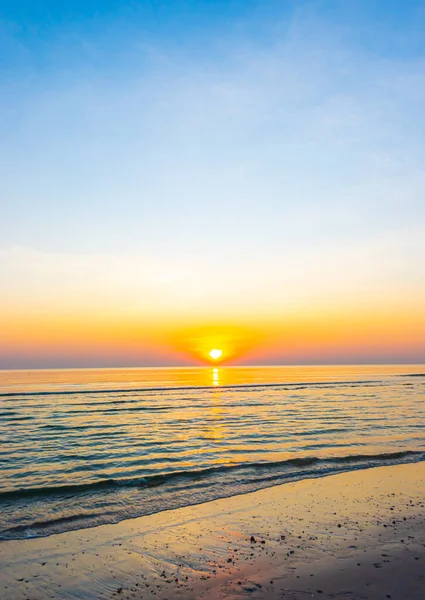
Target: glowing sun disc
{"x": 215, "y": 353}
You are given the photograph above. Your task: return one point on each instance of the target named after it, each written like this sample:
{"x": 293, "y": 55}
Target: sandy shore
{"x": 355, "y": 535}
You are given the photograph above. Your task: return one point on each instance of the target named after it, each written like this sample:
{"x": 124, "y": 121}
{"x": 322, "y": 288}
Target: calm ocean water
{"x": 80, "y": 448}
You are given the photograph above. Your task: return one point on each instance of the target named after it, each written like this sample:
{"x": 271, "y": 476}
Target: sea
{"x": 85, "y": 447}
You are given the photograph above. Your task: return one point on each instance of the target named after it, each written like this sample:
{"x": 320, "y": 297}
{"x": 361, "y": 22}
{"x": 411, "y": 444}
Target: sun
{"x": 215, "y": 353}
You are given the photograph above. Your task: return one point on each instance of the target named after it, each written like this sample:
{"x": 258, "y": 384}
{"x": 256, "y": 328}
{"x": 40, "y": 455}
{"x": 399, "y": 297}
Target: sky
{"x": 181, "y": 175}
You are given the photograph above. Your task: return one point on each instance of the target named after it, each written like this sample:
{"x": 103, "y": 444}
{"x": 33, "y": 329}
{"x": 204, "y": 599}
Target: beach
{"x": 355, "y": 535}
{"x": 212, "y": 325}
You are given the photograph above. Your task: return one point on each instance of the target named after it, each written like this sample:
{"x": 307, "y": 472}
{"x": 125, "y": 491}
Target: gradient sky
{"x": 177, "y": 175}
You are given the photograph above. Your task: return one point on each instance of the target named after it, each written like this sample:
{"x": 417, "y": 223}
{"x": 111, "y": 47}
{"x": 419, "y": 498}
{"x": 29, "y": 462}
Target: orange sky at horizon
{"x": 371, "y": 334}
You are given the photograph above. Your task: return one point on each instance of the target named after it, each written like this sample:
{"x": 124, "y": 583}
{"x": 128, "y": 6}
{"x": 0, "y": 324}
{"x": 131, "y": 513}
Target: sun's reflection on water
{"x": 216, "y": 422}
{"x": 215, "y": 376}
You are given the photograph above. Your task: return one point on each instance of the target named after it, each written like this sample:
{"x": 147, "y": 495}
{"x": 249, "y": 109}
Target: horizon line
{"x": 217, "y": 366}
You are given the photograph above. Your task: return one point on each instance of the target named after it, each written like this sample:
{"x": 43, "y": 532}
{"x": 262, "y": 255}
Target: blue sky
{"x": 271, "y": 143}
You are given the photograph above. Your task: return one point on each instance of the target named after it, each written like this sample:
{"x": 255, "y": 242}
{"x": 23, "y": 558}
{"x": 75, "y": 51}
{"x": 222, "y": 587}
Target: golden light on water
{"x": 215, "y": 353}
{"x": 216, "y": 377}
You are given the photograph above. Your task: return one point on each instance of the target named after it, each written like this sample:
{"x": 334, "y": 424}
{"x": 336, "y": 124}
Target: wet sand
{"x": 358, "y": 535}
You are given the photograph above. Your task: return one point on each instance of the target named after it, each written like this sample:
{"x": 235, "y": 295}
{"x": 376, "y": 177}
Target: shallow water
{"x": 85, "y": 447}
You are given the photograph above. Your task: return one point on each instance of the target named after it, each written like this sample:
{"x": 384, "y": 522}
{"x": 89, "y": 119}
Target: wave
{"x": 150, "y": 481}
{"x": 27, "y": 513}
{"x": 245, "y": 386}
{"x": 413, "y": 375}
{"x": 49, "y": 522}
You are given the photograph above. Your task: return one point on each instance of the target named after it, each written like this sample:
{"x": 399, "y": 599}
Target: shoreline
{"x": 393, "y": 459}
{"x": 303, "y": 534}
